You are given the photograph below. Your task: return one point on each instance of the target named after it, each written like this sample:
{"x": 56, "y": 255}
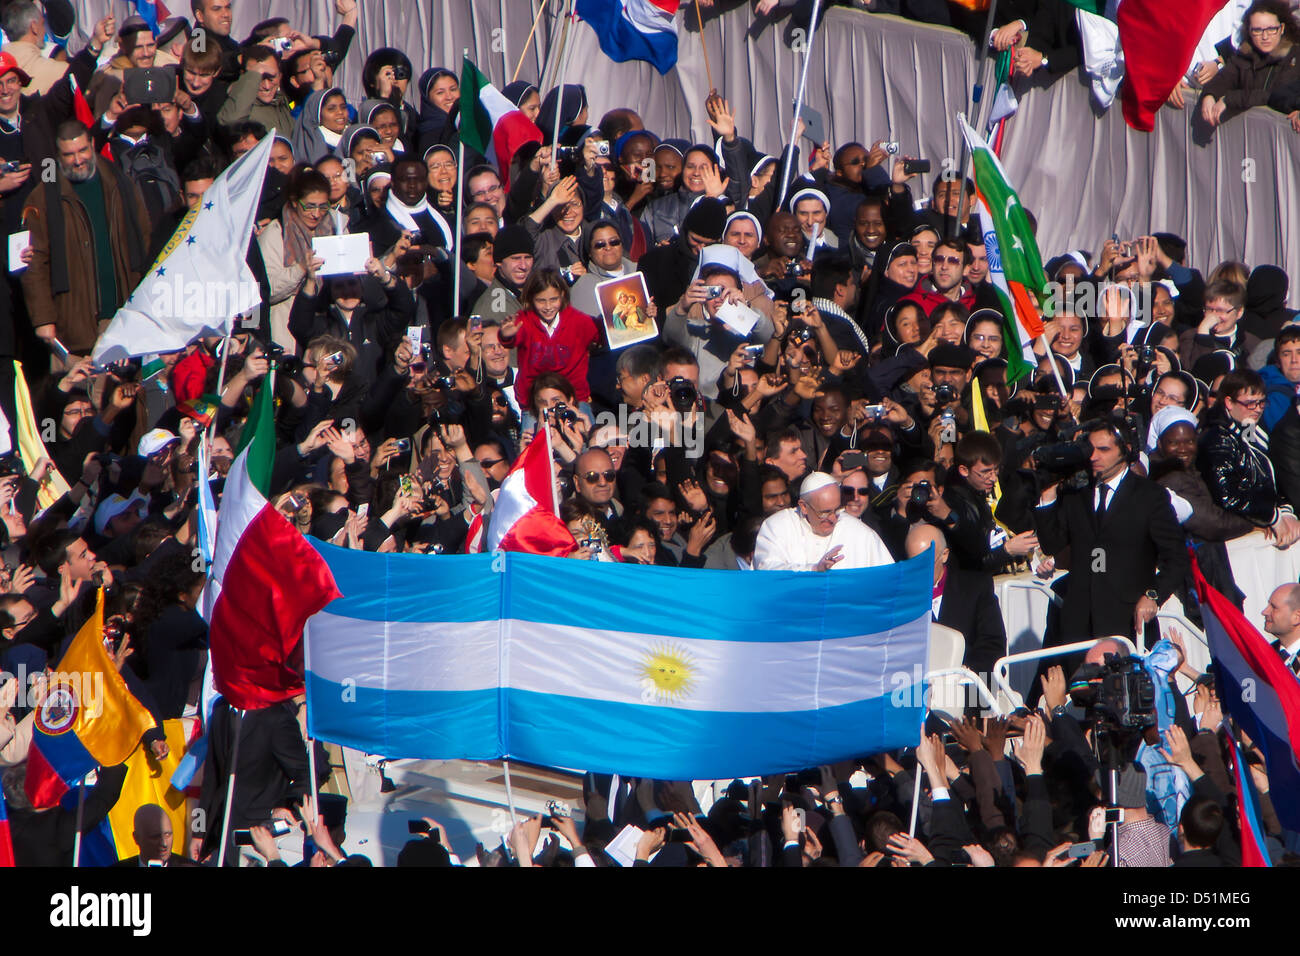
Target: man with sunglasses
{"x": 595, "y": 481}
{"x": 946, "y": 281}
{"x": 1233, "y": 456}
{"x": 813, "y": 536}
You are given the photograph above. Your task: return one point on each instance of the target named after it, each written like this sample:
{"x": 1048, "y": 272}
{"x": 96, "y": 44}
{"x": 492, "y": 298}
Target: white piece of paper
{"x": 18, "y": 242}
{"x": 623, "y": 847}
{"x": 343, "y": 255}
{"x": 741, "y": 319}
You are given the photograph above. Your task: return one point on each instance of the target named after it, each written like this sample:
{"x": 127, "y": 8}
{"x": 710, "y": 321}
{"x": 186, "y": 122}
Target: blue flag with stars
{"x": 201, "y": 281}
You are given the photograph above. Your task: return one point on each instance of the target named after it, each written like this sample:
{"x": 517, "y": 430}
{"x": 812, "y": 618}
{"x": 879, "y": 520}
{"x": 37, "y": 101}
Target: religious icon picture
{"x": 624, "y": 308}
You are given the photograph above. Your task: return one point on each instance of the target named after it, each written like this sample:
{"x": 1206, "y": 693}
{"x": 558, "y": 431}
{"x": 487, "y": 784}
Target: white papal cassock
{"x": 787, "y": 543}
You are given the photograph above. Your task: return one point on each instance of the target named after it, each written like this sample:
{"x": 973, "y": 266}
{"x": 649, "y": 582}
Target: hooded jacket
{"x": 1249, "y": 78}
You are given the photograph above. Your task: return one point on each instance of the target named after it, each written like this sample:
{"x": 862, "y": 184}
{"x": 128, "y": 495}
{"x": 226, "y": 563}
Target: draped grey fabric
{"x": 1085, "y": 174}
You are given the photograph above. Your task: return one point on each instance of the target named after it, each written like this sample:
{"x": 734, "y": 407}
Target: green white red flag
{"x": 271, "y": 580}
{"x": 1015, "y": 264}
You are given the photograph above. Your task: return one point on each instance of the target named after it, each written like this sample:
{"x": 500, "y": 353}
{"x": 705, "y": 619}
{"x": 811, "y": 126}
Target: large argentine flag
{"x": 200, "y": 281}
{"x": 635, "y": 29}
{"x": 644, "y": 671}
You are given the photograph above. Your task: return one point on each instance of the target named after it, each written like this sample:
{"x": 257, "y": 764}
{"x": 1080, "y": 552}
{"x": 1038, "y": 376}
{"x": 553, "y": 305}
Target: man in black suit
{"x": 1199, "y": 828}
{"x": 152, "y": 833}
{"x": 272, "y": 775}
{"x": 963, "y": 600}
{"x": 1126, "y": 549}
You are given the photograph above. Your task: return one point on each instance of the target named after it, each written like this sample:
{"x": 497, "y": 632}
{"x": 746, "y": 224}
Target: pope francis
{"x": 815, "y": 536}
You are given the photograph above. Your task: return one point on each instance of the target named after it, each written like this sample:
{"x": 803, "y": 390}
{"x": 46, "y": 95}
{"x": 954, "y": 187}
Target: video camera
{"x": 1118, "y": 694}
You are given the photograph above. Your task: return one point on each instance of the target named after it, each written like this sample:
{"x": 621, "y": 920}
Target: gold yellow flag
{"x": 30, "y": 446}
{"x": 148, "y": 780}
{"x": 109, "y": 721}
{"x": 981, "y": 419}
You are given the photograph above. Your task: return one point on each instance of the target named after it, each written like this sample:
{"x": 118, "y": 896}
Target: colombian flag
{"x": 88, "y": 718}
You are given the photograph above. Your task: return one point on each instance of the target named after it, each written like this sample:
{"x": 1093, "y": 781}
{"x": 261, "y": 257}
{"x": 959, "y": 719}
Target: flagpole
{"x": 1056, "y": 373}
{"x": 559, "y": 99}
{"x": 550, "y": 459}
{"x": 505, "y": 47}
{"x": 976, "y": 107}
{"x": 553, "y": 55}
{"x": 510, "y": 794}
{"x": 798, "y": 106}
{"x": 315, "y": 792}
{"x": 699, "y": 18}
{"x": 76, "y": 840}
{"x": 524, "y": 52}
{"x": 230, "y": 788}
{"x": 460, "y": 211}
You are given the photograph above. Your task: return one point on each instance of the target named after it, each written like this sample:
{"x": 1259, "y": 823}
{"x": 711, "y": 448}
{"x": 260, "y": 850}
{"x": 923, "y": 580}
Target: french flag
{"x": 525, "y": 518}
{"x": 635, "y": 29}
{"x": 1260, "y": 694}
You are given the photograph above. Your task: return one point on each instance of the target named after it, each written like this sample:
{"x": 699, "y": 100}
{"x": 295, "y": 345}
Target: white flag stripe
{"x": 240, "y": 503}
{"x": 612, "y": 666}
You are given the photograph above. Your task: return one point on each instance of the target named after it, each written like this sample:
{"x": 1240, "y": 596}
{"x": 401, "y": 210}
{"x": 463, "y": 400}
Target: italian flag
{"x": 1015, "y": 265}
{"x": 267, "y": 579}
{"x": 482, "y": 107}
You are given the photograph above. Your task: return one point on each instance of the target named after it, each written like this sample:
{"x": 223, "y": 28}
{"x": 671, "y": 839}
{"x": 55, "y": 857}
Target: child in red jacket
{"x": 549, "y": 335}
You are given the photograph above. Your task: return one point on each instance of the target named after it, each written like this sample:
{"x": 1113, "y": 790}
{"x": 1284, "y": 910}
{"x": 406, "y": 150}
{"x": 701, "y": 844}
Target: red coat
{"x": 565, "y": 352}
{"x": 929, "y": 300}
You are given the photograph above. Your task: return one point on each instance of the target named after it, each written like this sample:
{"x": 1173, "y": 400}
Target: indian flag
{"x": 1015, "y": 265}
{"x": 268, "y": 580}
{"x": 482, "y": 107}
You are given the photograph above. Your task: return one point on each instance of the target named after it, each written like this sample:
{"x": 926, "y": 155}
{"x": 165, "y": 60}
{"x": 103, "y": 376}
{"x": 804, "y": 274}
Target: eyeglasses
{"x": 1251, "y": 403}
{"x": 489, "y": 191}
{"x": 950, "y": 260}
{"x": 819, "y": 514}
{"x": 1266, "y": 31}
{"x": 848, "y": 492}
{"x": 445, "y": 164}
{"x": 486, "y": 463}
{"x": 607, "y": 244}
{"x": 313, "y": 206}
{"x": 599, "y": 477}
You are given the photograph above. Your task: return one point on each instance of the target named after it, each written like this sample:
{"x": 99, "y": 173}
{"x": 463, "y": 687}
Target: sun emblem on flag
{"x": 668, "y": 673}
{"x": 59, "y": 710}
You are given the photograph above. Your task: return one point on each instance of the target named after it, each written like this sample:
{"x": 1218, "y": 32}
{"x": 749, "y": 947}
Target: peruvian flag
{"x": 1158, "y": 39}
{"x": 526, "y": 515}
{"x": 270, "y": 579}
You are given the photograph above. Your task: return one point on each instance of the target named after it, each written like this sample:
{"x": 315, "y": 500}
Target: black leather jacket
{"x": 1238, "y": 473}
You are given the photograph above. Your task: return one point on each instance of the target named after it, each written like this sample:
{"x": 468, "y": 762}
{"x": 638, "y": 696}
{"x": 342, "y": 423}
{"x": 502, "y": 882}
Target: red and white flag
{"x": 525, "y": 517}
{"x": 270, "y": 579}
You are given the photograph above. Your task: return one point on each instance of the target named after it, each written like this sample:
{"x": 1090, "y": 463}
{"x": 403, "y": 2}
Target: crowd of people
{"x": 825, "y": 387}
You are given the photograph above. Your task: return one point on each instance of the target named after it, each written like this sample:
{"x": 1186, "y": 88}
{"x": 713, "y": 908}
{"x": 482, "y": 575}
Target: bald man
{"x": 1282, "y": 621}
{"x": 963, "y": 600}
{"x": 816, "y": 535}
{"x": 153, "y": 835}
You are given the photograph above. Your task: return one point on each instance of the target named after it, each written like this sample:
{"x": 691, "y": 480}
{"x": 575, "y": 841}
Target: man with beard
{"x": 73, "y": 288}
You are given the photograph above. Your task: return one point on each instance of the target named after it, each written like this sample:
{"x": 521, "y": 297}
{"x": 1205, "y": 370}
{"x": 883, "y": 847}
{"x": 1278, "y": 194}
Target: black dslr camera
{"x": 918, "y": 500}
{"x": 945, "y": 394}
{"x": 682, "y": 394}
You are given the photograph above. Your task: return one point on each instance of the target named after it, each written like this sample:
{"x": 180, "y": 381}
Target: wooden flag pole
{"x": 524, "y": 52}
{"x": 699, "y": 18}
